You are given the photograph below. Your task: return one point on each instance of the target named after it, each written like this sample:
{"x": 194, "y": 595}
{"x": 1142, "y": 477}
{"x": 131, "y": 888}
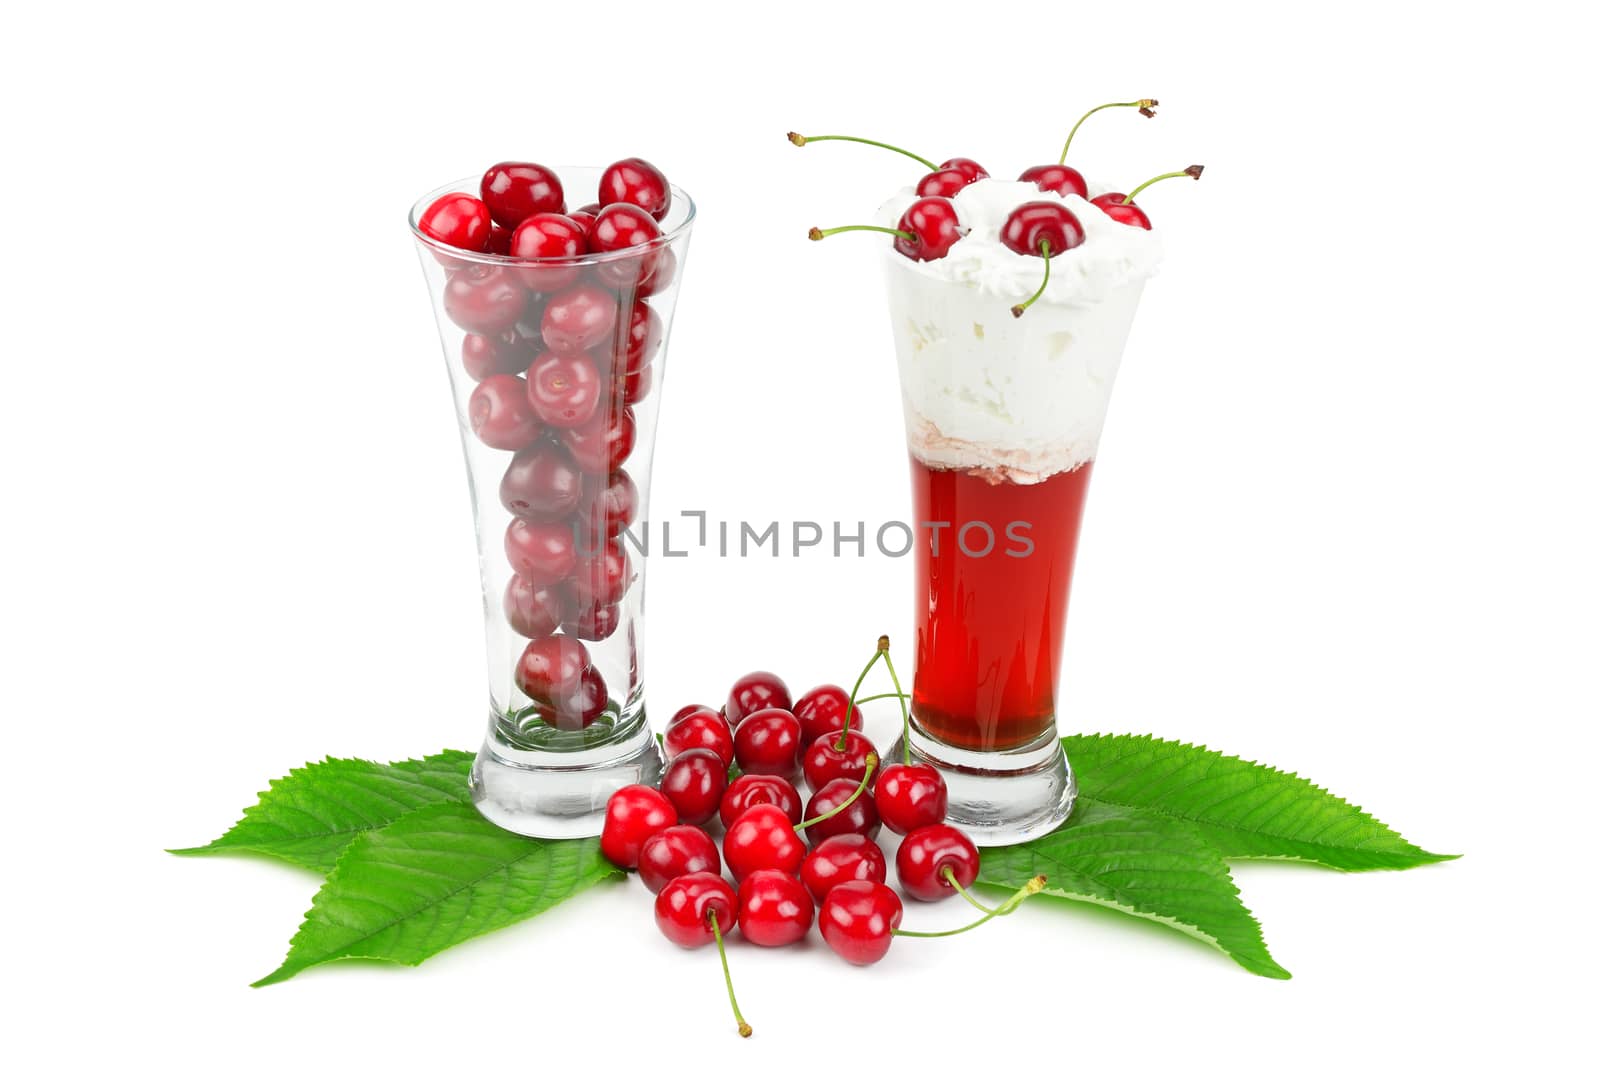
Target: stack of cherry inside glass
{"x": 560, "y": 338}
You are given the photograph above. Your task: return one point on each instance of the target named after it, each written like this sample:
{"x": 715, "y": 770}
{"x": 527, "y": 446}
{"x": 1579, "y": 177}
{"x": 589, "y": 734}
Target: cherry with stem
{"x": 1146, "y": 108}
{"x": 1031, "y": 887}
{"x": 861, "y": 788}
{"x": 1018, "y": 309}
{"x": 817, "y": 233}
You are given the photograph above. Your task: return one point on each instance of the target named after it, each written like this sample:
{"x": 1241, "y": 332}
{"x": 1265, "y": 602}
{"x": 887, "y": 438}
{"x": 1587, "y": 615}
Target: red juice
{"x": 990, "y": 624}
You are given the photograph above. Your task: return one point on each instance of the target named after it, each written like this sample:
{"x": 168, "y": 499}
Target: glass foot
{"x": 999, "y": 798}
{"x": 564, "y": 795}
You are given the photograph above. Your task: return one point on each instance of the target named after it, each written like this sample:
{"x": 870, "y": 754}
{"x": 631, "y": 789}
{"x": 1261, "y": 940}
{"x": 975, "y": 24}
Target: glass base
{"x": 1000, "y": 798}
{"x": 559, "y": 795}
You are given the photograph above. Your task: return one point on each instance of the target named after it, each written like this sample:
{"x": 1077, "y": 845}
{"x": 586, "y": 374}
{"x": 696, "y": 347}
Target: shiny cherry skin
{"x": 841, "y": 859}
{"x": 483, "y": 355}
{"x": 637, "y": 182}
{"x": 578, "y": 318}
{"x": 514, "y": 191}
{"x": 542, "y": 552}
{"x": 636, "y": 387}
{"x": 499, "y": 241}
{"x": 685, "y": 906}
{"x": 1030, "y": 225}
{"x": 753, "y": 692}
{"x": 533, "y": 611}
{"x": 858, "y": 817}
{"x": 604, "y": 443}
{"x": 935, "y": 228}
{"x": 910, "y": 796}
{"x": 603, "y": 575}
{"x": 644, "y": 338}
{"x": 823, "y": 763}
{"x": 580, "y": 708}
{"x": 483, "y": 299}
{"x": 564, "y": 388}
{"x": 551, "y": 667}
{"x": 924, "y": 856}
{"x": 1126, "y": 214}
{"x": 541, "y": 484}
{"x": 763, "y": 837}
{"x": 666, "y": 269}
{"x": 1056, "y": 178}
{"x": 459, "y": 220}
{"x": 633, "y": 815}
{"x": 548, "y": 236}
{"x": 701, "y": 730}
{"x": 942, "y": 183}
{"x": 612, "y": 508}
{"x": 499, "y": 413}
{"x": 585, "y": 221}
{"x": 768, "y": 743}
{"x": 774, "y": 909}
{"x": 858, "y": 919}
{"x": 748, "y": 791}
{"x": 822, "y": 709}
{"x": 693, "y": 781}
{"x": 591, "y": 621}
{"x": 676, "y": 851}
{"x": 621, "y": 228}
{"x": 968, "y": 168}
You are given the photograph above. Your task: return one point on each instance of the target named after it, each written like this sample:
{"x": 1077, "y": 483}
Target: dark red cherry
{"x": 542, "y": 552}
{"x": 677, "y": 851}
{"x": 768, "y": 743}
{"x": 578, "y": 709}
{"x": 633, "y": 815}
{"x": 578, "y": 318}
{"x": 499, "y": 241}
{"x": 637, "y": 182}
{"x": 585, "y": 221}
{"x": 547, "y": 236}
{"x": 858, "y": 920}
{"x": 842, "y": 859}
{"x": 822, "y": 709}
{"x": 622, "y": 228}
{"x": 693, "y": 781}
{"x": 514, "y": 191}
{"x": 753, "y": 692}
{"x": 551, "y": 667}
{"x": 590, "y": 620}
{"x": 533, "y": 611}
{"x": 747, "y": 791}
{"x": 564, "y": 388}
{"x": 484, "y": 299}
{"x": 541, "y": 483}
{"x": 603, "y": 573}
{"x": 858, "y": 817}
{"x": 1030, "y": 225}
{"x": 1129, "y": 214}
{"x": 942, "y": 183}
{"x": 612, "y": 508}
{"x": 459, "y": 220}
{"x": 690, "y": 710}
{"x": 666, "y": 269}
{"x": 774, "y": 909}
{"x": 499, "y": 413}
{"x": 968, "y": 168}
{"x": 603, "y": 443}
{"x": 636, "y": 387}
{"x": 685, "y": 906}
{"x": 911, "y": 796}
{"x": 763, "y": 837}
{"x": 501, "y": 354}
{"x": 700, "y": 730}
{"x": 823, "y": 762}
{"x": 644, "y": 337}
{"x": 1056, "y": 178}
{"x": 927, "y": 853}
{"x": 934, "y": 228}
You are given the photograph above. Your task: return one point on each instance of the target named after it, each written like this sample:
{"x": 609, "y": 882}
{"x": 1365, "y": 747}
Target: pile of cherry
{"x": 560, "y": 336}
{"x": 840, "y": 881}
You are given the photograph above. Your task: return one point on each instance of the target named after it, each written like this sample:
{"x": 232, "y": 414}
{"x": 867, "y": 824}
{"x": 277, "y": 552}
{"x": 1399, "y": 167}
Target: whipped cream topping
{"x": 1015, "y": 398}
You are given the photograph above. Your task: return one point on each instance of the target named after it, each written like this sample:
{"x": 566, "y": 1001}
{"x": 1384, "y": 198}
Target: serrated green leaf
{"x": 1246, "y": 810}
{"x": 1144, "y": 866}
{"x": 430, "y": 880}
{"x": 309, "y": 816}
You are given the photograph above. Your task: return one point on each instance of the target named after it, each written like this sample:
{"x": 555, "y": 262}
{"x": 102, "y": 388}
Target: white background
{"x": 1343, "y": 519}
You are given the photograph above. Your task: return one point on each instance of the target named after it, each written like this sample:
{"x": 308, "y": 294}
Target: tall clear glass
{"x": 556, "y": 373}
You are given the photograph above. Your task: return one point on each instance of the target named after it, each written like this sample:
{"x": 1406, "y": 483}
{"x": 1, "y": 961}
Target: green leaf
{"x": 431, "y": 879}
{"x": 309, "y": 816}
{"x": 1144, "y": 866}
{"x": 1246, "y": 810}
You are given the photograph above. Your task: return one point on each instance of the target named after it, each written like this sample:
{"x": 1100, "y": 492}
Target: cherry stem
{"x": 817, "y": 234}
{"x": 1146, "y": 108}
{"x": 1033, "y": 886}
{"x": 905, "y": 710}
{"x": 1188, "y": 172}
{"x": 745, "y": 1030}
{"x": 1018, "y": 309}
{"x": 881, "y": 697}
{"x": 801, "y": 140}
{"x": 844, "y": 735}
{"x": 950, "y": 877}
{"x": 861, "y": 788}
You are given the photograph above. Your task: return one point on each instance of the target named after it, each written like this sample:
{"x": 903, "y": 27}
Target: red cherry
{"x": 858, "y": 817}
{"x": 564, "y": 388}
{"x": 666, "y": 269}
{"x": 612, "y": 508}
{"x": 619, "y": 228}
{"x": 968, "y": 168}
{"x": 500, "y": 414}
{"x": 541, "y": 483}
{"x": 768, "y": 743}
{"x": 841, "y": 859}
{"x": 551, "y": 667}
{"x": 823, "y": 763}
{"x": 585, "y": 221}
{"x": 748, "y": 791}
{"x": 753, "y": 692}
{"x": 603, "y": 443}
{"x": 591, "y": 620}
{"x": 502, "y": 354}
{"x": 858, "y": 920}
{"x": 942, "y": 183}
{"x": 484, "y": 299}
{"x": 763, "y": 837}
{"x": 934, "y": 228}
{"x": 636, "y": 387}
{"x": 644, "y": 337}
{"x": 514, "y": 191}
{"x": 1056, "y": 178}
{"x": 927, "y": 853}
{"x": 1129, "y": 214}
{"x": 703, "y": 730}
{"x": 685, "y": 905}
{"x": 1031, "y": 225}
{"x": 578, "y": 709}
{"x": 459, "y": 220}
{"x": 822, "y": 709}
{"x": 533, "y": 611}
{"x": 910, "y": 796}
{"x": 677, "y": 851}
{"x": 637, "y": 182}
{"x": 774, "y": 909}
{"x": 633, "y": 815}
{"x": 542, "y": 552}
{"x": 689, "y": 710}
{"x": 547, "y": 236}
{"x": 603, "y": 575}
{"x": 578, "y": 318}
{"x": 499, "y": 241}
{"x": 693, "y": 781}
